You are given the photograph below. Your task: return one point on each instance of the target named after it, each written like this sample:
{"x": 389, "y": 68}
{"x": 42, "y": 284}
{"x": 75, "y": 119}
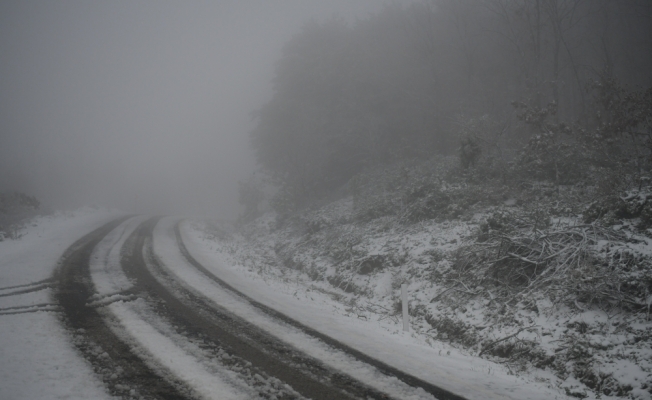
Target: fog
{"x": 143, "y": 106}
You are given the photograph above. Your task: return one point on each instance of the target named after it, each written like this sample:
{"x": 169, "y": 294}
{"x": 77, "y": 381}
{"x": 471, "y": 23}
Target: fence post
{"x": 404, "y": 301}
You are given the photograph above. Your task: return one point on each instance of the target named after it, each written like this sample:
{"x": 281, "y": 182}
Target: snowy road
{"x": 157, "y": 308}
{"x": 154, "y": 322}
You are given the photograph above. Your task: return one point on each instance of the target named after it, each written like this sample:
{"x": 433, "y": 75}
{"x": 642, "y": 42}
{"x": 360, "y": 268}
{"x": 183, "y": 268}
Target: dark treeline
{"x": 447, "y": 76}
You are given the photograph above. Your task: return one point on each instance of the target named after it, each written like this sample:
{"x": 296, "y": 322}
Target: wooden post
{"x": 404, "y": 301}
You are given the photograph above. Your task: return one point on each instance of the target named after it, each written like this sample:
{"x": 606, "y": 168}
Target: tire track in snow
{"x": 29, "y": 309}
{"x": 386, "y": 369}
{"x": 49, "y": 280}
{"x": 323, "y": 361}
{"x": 132, "y": 315}
{"x": 124, "y": 373}
{"x": 28, "y": 289}
{"x": 222, "y": 330}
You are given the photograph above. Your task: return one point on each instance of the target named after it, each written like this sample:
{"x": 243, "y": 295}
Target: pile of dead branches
{"x": 578, "y": 265}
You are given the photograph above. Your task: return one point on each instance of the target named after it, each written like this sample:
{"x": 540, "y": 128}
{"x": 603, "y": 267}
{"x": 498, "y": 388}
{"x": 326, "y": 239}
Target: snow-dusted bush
{"x": 431, "y": 189}
{"x": 554, "y": 151}
{"x": 613, "y": 209}
{"x": 520, "y": 256}
{"x": 15, "y": 210}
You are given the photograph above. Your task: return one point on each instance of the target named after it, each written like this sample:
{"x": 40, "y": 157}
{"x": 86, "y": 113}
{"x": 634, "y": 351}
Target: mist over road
{"x": 142, "y": 106}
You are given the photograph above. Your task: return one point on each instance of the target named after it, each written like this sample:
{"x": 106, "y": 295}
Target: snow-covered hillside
{"x": 493, "y": 313}
{"x": 515, "y": 283}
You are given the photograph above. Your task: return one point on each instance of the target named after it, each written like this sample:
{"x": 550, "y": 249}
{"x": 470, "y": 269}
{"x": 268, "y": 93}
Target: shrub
{"x": 15, "y": 209}
{"x": 553, "y": 152}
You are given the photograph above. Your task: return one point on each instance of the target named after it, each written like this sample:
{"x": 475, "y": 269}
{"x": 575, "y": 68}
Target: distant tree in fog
{"x": 394, "y": 86}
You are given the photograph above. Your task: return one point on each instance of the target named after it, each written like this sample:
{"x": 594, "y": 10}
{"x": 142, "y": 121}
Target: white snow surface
{"x": 437, "y": 363}
{"x": 37, "y": 359}
{"x": 162, "y": 350}
{"x": 106, "y": 272}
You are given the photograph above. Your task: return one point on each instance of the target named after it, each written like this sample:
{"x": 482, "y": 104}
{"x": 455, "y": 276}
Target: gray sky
{"x": 140, "y": 104}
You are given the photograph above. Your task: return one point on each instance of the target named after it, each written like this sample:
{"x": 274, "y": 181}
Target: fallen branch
{"x": 495, "y": 342}
{"x": 523, "y": 259}
{"x": 442, "y": 292}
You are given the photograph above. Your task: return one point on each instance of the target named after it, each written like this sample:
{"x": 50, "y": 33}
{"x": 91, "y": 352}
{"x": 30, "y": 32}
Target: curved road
{"x": 190, "y": 332}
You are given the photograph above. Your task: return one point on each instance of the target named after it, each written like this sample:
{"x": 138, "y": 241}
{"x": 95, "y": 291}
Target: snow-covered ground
{"x": 37, "y": 358}
{"x": 294, "y": 271}
{"x": 148, "y": 334}
{"x": 434, "y": 362}
{"x": 165, "y": 247}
